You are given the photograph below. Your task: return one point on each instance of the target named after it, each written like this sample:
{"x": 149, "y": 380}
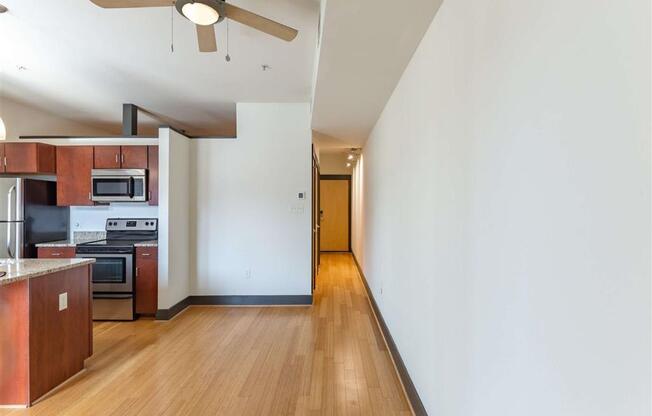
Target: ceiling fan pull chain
{"x": 227, "y": 57}
{"x": 172, "y": 29}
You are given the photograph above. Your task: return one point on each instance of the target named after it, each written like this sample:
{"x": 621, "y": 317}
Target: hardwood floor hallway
{"x": 328, "y": 359}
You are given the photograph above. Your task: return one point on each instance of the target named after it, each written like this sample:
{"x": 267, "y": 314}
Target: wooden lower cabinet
{"x": 146, "y": 280}
{"x": 42, "y": 345}
{"x": 56, "y": 252}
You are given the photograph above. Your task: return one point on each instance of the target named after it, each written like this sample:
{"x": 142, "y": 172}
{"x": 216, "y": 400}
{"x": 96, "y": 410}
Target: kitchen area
{"x": 79, "y": 234}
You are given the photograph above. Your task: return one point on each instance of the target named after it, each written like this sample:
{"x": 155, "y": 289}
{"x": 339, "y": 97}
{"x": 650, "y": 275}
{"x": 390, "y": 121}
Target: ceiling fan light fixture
{"x": 200, "y": 13}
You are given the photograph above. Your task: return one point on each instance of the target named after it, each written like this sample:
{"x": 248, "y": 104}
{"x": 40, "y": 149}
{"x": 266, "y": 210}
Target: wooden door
{"x": 146, "y": 280}
{"x": 335, "y": 194}
{"x": 134, "y": 157}
{"x": 153, "y": 174}
{"x": 74, "y": 165}
{"x": 107, "y": 157}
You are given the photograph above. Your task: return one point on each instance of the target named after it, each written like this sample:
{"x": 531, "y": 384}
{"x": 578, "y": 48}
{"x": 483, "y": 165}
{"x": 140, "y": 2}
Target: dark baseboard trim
{"x": 274, "y": 300}
{"x": 166, "y": 314}
{"x": 280, "y": 300}
{"x": 410, "y": 389}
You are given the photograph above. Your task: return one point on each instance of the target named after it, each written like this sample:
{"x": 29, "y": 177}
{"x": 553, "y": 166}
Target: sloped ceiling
{"x": 81, "y": 62}
{"x": 365, "y": 47}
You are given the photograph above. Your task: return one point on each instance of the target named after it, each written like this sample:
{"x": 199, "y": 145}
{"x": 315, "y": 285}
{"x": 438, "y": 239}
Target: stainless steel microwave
{"x": 119, "y": 185}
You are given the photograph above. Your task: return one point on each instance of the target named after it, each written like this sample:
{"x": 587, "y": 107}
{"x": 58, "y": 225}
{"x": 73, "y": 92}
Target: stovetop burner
{"x": 122, "y": 234}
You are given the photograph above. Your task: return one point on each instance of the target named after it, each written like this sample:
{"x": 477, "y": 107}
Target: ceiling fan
{"x": 205, "y": 13}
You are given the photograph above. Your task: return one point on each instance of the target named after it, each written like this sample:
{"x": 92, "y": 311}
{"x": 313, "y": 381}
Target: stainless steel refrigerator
{"x": 29, "y": 215}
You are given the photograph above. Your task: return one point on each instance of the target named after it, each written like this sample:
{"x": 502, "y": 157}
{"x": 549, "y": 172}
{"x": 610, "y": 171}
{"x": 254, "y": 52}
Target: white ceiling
{"x": 82, "y": 62}
{"x": 365, "y": 47}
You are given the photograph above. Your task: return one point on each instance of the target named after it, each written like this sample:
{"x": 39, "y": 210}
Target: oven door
{"x": 119, "y": 188}
{"x": 112, "y": 273}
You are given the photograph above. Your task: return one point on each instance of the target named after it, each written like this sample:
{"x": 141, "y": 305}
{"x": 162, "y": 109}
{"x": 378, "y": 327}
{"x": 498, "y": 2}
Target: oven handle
{"x": 112, "y": 296}
{"x": 103, "y": 255}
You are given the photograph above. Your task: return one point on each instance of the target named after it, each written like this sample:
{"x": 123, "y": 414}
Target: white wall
{"x": 247, "y": 215}
{"x": 506, "y": 202}
{"x": 24, "y": 120}
{"x": 174, "y": 218}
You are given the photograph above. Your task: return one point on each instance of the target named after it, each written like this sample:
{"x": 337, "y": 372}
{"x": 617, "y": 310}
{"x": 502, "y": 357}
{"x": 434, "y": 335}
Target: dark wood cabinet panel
{"x": 14, "y": 343}
{"x": 146, "y": 280}
{"x": 64, "y": 334}
{"x": 56, "y": 252}
{"x": 42, "y": 345}
{"x": 134, "y": 157}
{"x": 29, "y": 158}
{"x": 107, "y": 157}
{"x": 74, "y": 165}
{"x": 153, "y": 174}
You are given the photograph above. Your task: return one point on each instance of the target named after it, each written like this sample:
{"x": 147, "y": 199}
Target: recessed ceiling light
{"x": 348, "y": 165}
{"x": 350, "y": 157}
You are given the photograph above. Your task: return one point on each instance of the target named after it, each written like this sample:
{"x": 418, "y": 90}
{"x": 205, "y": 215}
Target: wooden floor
{"x": 328, "y": 359}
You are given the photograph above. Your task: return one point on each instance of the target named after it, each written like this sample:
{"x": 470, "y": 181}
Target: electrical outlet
{"x": 63, "y": 301}
{"x": 247, "y": 274}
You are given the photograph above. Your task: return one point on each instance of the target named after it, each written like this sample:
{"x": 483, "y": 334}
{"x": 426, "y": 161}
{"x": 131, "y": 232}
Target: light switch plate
{"x": 63, "y": 301}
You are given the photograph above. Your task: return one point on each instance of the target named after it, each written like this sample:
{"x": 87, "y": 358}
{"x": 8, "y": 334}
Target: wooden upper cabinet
{"x": 107, "y": 157}
{"x": 134, "y": 157}
{"x": 153, "y": 174}
{"x": 120, "y": 157}
{"x": 29, "y": 158}
{"x": 74, "y": 165}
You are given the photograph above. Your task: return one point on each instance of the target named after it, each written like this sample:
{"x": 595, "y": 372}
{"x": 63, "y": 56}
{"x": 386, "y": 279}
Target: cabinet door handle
{"x": 145, "y": 254}
{"x": 90, "y": 198}
{"x": 4, "y": 160}
{"x": 56, "y": 254}
{"x": 137, "y": 270}
{"x": 116, "y": 158}
{"x": 122, "y": 158}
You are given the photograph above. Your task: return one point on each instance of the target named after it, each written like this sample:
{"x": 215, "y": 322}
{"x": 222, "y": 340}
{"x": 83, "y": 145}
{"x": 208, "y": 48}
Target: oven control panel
{"x": 132, "y": 224}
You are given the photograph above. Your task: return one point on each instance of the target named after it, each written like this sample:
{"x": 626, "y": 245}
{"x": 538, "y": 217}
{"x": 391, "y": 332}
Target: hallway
{"x": 329, "y": 359}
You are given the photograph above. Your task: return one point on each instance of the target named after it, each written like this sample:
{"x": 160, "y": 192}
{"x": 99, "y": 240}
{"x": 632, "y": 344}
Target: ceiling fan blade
{"x": 128, "y": 4}
{"x": 259, "y": 22}
{"x": 206, "y": 38}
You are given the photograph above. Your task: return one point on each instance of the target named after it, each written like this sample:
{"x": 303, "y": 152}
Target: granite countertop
{"x": 151, "y": 243}
{"x": 23, "y": 269}
{"x": 80, "y": 237}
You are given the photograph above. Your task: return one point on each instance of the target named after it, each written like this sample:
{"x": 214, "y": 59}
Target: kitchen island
{"x": 46, "y": 330}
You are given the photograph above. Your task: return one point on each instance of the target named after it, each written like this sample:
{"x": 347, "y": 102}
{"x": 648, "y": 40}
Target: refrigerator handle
{"x": 9, "y": 219}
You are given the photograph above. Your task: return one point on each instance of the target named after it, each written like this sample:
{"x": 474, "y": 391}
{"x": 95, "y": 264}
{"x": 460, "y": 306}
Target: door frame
{"x": 316, "y": 223}
{"x": 340, "y": 178}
